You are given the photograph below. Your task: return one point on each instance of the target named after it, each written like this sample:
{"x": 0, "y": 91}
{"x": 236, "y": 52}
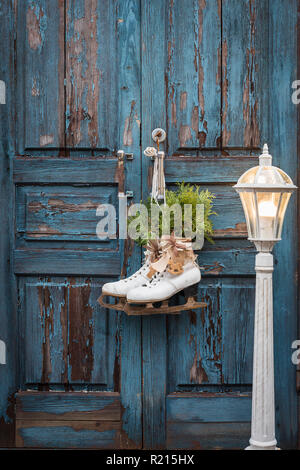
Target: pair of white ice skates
{"x": 148, "y": 291}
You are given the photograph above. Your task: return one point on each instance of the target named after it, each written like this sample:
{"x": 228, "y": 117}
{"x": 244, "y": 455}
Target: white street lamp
{"x": 265, "y": 192}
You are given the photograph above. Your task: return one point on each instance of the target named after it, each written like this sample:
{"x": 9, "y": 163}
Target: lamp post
{"x": 265, "y": 192}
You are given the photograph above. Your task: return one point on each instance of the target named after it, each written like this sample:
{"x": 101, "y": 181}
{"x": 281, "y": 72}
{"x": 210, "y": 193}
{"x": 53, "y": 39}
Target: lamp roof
{"x": 265, "y": 176}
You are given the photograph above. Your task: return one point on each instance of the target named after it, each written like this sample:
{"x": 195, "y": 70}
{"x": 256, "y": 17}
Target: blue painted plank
{"x": 195, "y": 342}
{"x": 52, "y": 170}
{"x": 8, "y": 333}
{"x": 237, "y": 304}
{"x": 193, "y": 74}
{"x": 244, "y": 58}
{"x": 64, "y": 434}
{"x": 208, "y": 436}
{"x": 154, "y": 51}
{"x": 283, "y": 145}
{"x": 209, "y": 409}
{"x": 227, "y": 263}
{"x": 67, "y": 262}
{"x": 128, "y": 32}
{"x": 91, "y": 79}
{"x": 40, "y": 69}
{"x": 104, "y": 406}
{"x": 207, "y": 170}
{"x": 45, "y": 334}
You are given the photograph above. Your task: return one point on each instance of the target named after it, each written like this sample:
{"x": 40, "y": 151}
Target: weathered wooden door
{"x": 76, "y": 100}
{"x": 83, "y": 79}
{"x": 217, "y": 76}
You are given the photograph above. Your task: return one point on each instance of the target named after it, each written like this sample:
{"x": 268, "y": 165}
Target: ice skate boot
{"x": 118, "y": 290}
{"x": 177, "y": 272}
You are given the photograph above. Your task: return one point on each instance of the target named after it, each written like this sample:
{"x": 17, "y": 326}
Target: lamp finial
{"x": 265, "y": 149}
{"x": 265, "y": 158}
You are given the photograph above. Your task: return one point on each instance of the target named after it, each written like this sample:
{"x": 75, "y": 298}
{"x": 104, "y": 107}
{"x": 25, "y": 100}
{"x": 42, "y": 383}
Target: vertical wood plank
{"x": 283, "y": 147}
{"x": 91, "y": 79}
{"x": 237, "y": 330}
{"x": 40, "y": 75}
{"x": 129, "y": 119}
{"x": 87, "y": 335}
{"x": 46, "y": 330}
{"x": 153, "y": 22}
{"x": 195, "y": 342}
{"x": 8, "y": 329}
{"x": 193, "y": 74}
{"x": 244, "y": 71}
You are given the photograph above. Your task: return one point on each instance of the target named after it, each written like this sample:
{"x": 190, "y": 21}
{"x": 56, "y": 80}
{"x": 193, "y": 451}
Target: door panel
{"x": 84, "y": 79}
{"x": 63, "y": 171}
{"x": 68, "y": 337}
{"x": 216, "y": 347}
{"x": 216, "y": 109}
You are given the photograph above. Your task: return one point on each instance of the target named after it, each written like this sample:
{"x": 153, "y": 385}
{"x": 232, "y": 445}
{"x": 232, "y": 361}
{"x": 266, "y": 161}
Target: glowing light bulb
{"x": 267, "y": 209}
{"x": 267, "y": 213}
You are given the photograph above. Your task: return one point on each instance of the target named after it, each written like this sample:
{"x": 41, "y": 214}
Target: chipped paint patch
{"x": 173, "y": 107}
{"x": 195, "y": 119}
{"x": 127, "y": 134}
{"x": 46, "y": 230}
{"x": 81, "y": 333}
{"x": 240, "y": 229}
{"x": 46, "y": 315}
{"x": 62, "y": 206}
{"x": 197, "y": 372}
{"x": 184, "y": 135}
{"x": 183, "y": 100}
{"x": 46, "y": 140}
{"x": 36, "y": 24}
{"x": 225, "y": 131}
{"x": 250, "y": 106}
{"x": 34, "y": 89}
{"x": 215, "y": 268}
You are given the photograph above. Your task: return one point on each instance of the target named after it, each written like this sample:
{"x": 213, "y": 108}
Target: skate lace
{"x": 140, "y": 271}
{"x": 155, "y": 279}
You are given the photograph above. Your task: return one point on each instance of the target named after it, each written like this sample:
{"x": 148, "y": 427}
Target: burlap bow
{"x": 153, "y": 250}
{"x": 174, "y": 252}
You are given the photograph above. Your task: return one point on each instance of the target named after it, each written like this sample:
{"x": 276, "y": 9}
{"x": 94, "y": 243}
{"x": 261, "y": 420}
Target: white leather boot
{"x": 164, "y": 285}
{"x": 121, "y": 287}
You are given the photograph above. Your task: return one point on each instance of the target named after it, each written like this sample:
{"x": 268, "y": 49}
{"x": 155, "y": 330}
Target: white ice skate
{"x": 162, "y": 286}
{"x": 119, "y": 289}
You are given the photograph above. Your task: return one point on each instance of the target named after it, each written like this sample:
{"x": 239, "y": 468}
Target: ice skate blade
{"x": 118, "y": 305}
{"x": 148, "y": 308}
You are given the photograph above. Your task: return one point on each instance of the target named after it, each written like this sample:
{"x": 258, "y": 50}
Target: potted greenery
{"x": 184, "y": 194}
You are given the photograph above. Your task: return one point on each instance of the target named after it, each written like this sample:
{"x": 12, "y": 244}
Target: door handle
{"x": 121, "y": 174}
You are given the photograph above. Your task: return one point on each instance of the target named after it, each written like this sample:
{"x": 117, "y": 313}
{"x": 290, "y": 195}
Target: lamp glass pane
{"x": 268, "y": 175}
{"x": 267, "y": 205}
{"x": 248, "y": 203}
{"x": 281, "y": 212}
{"x": 249, "y": 176}
{"x": 284, "y": 176}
